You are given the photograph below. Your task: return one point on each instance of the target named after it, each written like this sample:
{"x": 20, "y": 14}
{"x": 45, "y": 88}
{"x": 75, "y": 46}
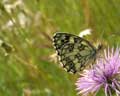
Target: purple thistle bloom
{"x": 105, "y": 74}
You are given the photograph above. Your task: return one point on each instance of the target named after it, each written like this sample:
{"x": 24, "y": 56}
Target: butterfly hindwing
{"x": 74, "y": 52}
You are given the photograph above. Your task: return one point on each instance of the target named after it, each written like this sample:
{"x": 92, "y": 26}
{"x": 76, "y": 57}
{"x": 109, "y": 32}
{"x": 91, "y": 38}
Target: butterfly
{"x": 75, "y": 53}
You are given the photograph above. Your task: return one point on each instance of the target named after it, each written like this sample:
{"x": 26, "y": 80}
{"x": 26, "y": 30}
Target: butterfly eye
{"x": 100, "y": 47}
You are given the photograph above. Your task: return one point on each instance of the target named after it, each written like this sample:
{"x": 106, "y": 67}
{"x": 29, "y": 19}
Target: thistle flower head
{"x": 105, "y": 74}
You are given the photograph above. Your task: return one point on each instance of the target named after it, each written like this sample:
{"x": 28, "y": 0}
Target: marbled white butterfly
{"x": 74, "y": 52}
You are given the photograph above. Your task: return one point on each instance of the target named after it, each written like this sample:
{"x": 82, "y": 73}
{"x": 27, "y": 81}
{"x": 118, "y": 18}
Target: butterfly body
{"x": 74, "y": 52}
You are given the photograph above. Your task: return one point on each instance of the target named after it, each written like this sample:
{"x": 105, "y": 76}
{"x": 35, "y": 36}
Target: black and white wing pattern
{"x": 74, "y": 52}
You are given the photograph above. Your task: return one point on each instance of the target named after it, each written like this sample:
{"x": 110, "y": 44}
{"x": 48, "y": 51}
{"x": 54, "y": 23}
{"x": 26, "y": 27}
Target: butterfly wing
{"x": 74, "y": 52}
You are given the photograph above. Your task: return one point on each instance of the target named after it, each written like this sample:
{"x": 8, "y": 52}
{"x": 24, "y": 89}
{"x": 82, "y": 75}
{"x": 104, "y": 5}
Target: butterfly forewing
{"x": 74, "y": 52}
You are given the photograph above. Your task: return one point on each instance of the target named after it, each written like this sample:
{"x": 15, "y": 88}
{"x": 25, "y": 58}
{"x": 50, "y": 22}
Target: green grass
{"x": 28, "y": 69}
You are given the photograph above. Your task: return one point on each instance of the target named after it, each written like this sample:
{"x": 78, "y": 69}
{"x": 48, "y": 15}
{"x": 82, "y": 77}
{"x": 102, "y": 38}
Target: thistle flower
{"x": 105, "y": 74}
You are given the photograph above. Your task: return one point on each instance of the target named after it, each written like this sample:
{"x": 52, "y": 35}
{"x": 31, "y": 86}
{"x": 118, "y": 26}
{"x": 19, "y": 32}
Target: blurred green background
{"x": 28, "y": 66}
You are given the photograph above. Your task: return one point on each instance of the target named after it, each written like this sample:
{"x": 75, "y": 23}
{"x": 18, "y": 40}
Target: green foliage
{"x": 27, "y": 66}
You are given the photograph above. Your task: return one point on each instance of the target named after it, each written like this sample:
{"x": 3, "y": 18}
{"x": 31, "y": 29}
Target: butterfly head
{"x": 100, "y": 46}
